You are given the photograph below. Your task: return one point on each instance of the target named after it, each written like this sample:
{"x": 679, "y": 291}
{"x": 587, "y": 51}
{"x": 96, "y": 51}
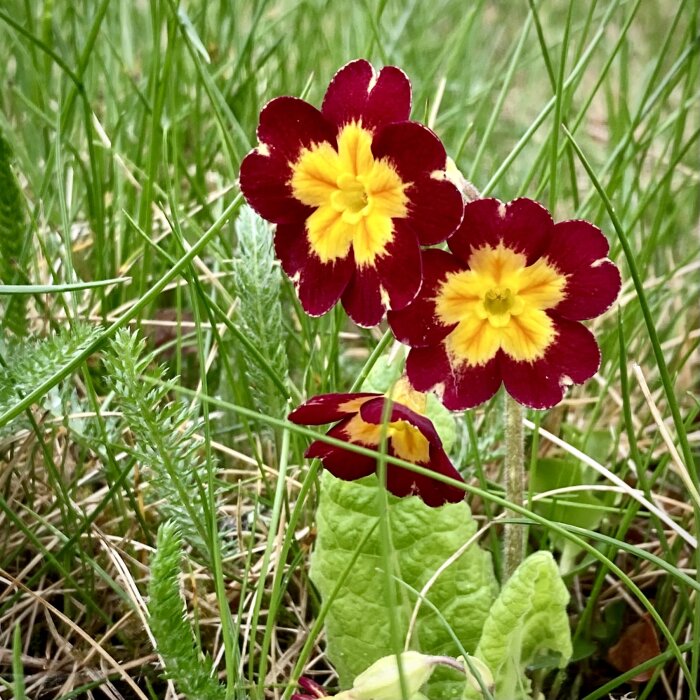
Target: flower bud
{"x": 474, "y": 667}
{"x": 382, "y": 680}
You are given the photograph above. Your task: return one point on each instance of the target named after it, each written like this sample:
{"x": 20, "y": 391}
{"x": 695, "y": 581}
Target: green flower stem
{"x": 514, "y": 533}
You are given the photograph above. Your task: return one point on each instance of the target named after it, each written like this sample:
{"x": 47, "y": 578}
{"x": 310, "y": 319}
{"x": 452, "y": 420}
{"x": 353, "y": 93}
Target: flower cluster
{"x": 359, "y": 194}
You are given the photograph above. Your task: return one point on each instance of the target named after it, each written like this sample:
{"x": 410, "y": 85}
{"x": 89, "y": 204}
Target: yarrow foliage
{"x": 409, "y": 436}
{"x": 504, "y": 307}
{"x": 355, "y": 189}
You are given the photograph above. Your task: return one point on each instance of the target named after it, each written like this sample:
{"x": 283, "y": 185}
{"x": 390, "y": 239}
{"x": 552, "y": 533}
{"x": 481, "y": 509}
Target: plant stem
{"x": 514, "y": 534}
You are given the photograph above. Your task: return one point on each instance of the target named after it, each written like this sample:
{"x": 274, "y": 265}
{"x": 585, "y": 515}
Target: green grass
{"x": 126, "y": 123}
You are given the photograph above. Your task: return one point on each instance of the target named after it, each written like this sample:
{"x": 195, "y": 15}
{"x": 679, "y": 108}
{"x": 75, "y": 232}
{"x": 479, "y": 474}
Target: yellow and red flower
{"x": 409, "y": 436}
{"x": 504, "y": 307}
{"x": 355, "y": 189}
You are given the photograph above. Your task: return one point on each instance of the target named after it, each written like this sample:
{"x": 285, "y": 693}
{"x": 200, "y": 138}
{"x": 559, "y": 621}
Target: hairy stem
{"x": 514, "y": 534}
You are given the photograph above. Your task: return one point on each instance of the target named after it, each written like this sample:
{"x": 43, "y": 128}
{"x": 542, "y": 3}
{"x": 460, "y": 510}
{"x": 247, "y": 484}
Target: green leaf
{"x": 358, "y": 622}
{"x": 526, "y": 627}
{"x": 192, "y": 671}
{"x": 7, "y": 289}
{"x": 30, "y": 362}
{"x": 257, "y": 279}
{"x": 383, "y": 374}
{"x": 580, "y": 508}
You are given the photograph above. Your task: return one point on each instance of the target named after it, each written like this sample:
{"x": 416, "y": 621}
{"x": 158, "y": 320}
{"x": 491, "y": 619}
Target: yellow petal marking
{"x": 408, "y": 442}
{"x": 355, "y": 197}
{"x": 499, "y": 304}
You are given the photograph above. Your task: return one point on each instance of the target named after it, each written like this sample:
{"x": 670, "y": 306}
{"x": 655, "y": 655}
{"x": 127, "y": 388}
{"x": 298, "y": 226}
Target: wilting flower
{"x": 505, "y": 306}
{"x": 409, "y": 436}
{"x": 354, "y": 189}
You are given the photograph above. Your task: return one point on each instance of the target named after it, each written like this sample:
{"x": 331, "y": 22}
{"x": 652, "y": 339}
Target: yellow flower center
{"x": 355, "y": 197}
{"x": 499, "y": 304}
{"x": 498, "y": 301}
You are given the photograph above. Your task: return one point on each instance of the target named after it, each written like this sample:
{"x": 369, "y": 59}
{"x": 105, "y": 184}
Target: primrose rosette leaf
{"x": 422, "y": 539}
{"x": 526, "y": 626}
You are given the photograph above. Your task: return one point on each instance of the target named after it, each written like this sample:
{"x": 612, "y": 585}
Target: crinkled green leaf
{"x": 527, "y": 626}
{"x": 357, "y": 625}
{"x": 386, "y": 372}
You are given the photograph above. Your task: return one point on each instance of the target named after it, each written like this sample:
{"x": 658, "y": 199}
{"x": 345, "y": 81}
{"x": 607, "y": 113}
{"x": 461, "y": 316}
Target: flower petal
{"x": 522, "y": 225}
{"x": 373, "y": 412}
{"x": 288, "y": 124}
{"x": 589, "y": 293}
{"x": 469, "y": 386}
{"x": 329, "y": 408}
{"x": 413, "y": 149}
{"x": 574, "y": 356}
{"x": 362, "y": 299}
{"x": 427, "y": 367}
{"x": 292, "y": 247}
{"x": 579, "y": 249}
{"x": 319, "y": 285}
{"x": 358, "y": 93}
{"x": 435, "y": 209}
{"x": 402, "y": 482}
{"x": 343, "y": 464}
{"x": 312, "y": 687}
{"x": 462, "y": 387}
{"x": 400, "y": 268}
{"x": 417, "y": 325}
{"x": 264, "y": 181}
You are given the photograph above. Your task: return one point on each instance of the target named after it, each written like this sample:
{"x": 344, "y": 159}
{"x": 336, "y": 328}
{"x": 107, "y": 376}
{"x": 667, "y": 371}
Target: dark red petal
{"x": 578, "y": 249}
{"x": 417, "y": 325}
{"x": 292, "y": 247}
{"x": 523, "y": 225}
{"x": 318, "y": 284}
{"x": 362, "y": 299}
{"x": 428, "y": 367}
{"x": 400, "y": 269}
{"x": 572, "y": 357}
{"x": 342, "y": 463}
{"x": 353, "y": 94}
{"x": 589, "y": 292}
{"x": 435, "y": 209}
{"x": 326, "y": 408}
{"x": 321, "y": 285}
{"x": 264, "y": 181}
{"x": 413, "y": 149}
{"x": 576, "y": 244}
{"x": 463, "y": 387}
{"x": 288, "y": 124}
{"x": 373, "y": 412}
{"x": 402, "y": 482}
{"x": 467, "y": 386}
